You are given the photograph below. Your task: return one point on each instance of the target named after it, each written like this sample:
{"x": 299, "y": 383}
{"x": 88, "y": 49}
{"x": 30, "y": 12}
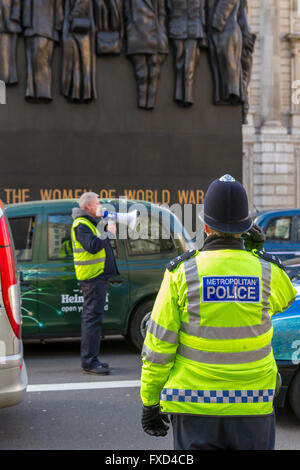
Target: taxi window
{"x": 279, "y": 229}
{"x": 59, "y": 236}
{"x": 153, "y": 238}
{"x": 22, "y": 229}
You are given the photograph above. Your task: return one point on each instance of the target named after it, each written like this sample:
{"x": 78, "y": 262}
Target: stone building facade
{"x": 272, "y": 137}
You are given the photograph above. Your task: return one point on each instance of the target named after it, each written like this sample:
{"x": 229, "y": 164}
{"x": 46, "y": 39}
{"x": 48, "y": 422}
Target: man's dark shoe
{"x": 104, "y": 364}
{"x": 98, "y": 370}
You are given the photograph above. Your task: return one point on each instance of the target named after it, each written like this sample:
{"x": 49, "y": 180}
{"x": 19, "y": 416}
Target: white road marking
{"x": 83, "y": 386}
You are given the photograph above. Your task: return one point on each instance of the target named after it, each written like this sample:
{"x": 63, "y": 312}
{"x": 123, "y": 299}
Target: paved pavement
{"x": 65, "y": 409}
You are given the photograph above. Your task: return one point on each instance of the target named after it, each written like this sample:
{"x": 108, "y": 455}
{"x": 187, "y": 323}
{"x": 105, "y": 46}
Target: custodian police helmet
{"x": 226, "y": 206}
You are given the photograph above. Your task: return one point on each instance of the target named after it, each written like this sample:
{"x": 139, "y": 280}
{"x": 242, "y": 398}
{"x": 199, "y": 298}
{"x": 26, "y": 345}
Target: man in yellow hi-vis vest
{"x": 207, "y": 355}
{"x": 94, "y": 263}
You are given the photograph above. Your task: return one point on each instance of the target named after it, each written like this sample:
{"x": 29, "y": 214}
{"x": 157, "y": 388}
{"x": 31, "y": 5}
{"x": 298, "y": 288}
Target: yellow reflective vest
{"x": 208, "y": 345}
{"x": 87, "y": 265}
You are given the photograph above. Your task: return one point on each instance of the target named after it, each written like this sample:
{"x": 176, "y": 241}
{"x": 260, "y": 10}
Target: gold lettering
{"x": 140, "y": 195}
{"x": 166, "y": 196}
{"x": 192, "y": 199}
{"x": 149, "y": 195}
{"x": 8, "y": 194}
{"x": 46, "y": 194}
{"x": 26, "y": 194}
{"x": 77, "y": 193}
{"x": 67, "y": 194}
{"x": 129, "y": 193}
{"x": 103, "y": 194}
{"x": 200, "y": 196}
{"x": 183, "y": 196}
{"x": 112, "y": 193}
{"x": 56, "y": 194}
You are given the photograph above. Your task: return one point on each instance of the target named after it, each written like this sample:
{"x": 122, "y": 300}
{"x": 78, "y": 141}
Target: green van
{"x": 51, "y": 299}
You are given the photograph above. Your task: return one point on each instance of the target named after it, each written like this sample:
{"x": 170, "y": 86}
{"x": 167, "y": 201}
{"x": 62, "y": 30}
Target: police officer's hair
{"x": 225, "y": 235}
{"x": 85, "y": 198}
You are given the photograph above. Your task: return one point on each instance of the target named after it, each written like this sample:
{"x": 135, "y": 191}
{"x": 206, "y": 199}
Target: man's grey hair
{"x": 86, "y": 198}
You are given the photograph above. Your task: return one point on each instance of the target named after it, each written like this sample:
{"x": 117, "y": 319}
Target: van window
{"x": 22, "y": 229}
{"x": 279, "y": 229}
{"x": 153, "y": 239}
{"x": 298, "y": 230}
{"x": 59, "y": 236}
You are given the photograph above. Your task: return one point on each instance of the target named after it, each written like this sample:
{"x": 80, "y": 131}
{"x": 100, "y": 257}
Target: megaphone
{"x": 130, "y": 219}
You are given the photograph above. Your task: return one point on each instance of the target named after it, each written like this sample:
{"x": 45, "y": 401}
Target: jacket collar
{"x": 213, "y": 242}
{"x": 77, "y": 212}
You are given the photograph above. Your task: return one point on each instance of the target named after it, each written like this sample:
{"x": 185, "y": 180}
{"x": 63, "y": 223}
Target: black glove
{"x": 153, "y": 422}
{"x": 254, "y": 239}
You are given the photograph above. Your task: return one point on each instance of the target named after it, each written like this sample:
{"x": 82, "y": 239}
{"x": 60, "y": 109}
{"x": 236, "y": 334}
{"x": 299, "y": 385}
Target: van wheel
{"x": 138, "y": 324}
{"x": 294, "y": 394}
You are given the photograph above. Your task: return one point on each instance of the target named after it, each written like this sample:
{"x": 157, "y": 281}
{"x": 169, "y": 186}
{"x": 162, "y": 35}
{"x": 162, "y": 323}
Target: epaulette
{"x": 175, "y": 262}
{"x": 270, "y": 257}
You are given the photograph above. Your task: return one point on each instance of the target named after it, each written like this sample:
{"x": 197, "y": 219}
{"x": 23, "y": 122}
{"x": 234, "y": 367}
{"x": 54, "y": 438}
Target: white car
{"x": 13, "y": 374}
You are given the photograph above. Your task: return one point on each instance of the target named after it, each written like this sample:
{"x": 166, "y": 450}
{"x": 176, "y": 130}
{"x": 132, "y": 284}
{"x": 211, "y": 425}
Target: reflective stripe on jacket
{"x": 87, "y": 265}
{"x": 208, "y": 346}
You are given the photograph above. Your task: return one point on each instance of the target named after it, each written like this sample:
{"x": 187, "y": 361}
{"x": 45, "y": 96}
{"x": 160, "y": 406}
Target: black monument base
{"x": 167, "y": 155}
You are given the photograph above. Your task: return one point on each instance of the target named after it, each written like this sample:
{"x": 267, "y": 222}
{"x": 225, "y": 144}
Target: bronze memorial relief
{"x": 145, "y": 31}
{"x": 231, "y": 46}
{"x": 10, "y": 28}
{"x": 41, "y": 22}
{"x": 187, "y": 31}
{"x": 147, "y": 45}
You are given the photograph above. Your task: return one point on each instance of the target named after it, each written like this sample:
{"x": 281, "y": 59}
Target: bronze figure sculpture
{"x": 78, "y": 82}
{"x": 186, "y": 28}
{"x": 225, "y": 47}
{"x": 42, "y": 22}
{"x": 109, "y": 25}
{"x": 147, "y": 45}
{"x": 10, "y": 28}
{"x": 249, "y": 39}
{"x": 87, "y": 28}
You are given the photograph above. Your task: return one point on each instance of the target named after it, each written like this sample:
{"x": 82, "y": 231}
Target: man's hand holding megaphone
{"x": 111, "y": 227}
{"x": 129, "y": 219}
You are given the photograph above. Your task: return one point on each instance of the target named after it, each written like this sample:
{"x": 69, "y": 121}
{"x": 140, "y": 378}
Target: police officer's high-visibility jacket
{"x": 208, "y": 346}
{"x": 87, "y": 265}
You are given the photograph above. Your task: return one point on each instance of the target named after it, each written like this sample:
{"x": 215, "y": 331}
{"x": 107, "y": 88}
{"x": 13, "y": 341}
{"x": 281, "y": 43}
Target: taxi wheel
{"x": 138, "y": 324}
{"x": 294, "y": 394}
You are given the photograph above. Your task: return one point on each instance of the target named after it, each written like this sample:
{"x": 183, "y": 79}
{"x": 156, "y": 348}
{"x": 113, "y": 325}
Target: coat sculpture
{"x": 187, "y": 31}
{"x": 147, "y": 45}
{"x": 78, "y": 80}
{"x": 247, "y": 55}
{"x": 231, "y": 46}
{"x": 144, "y": 30}
{"x": 10, "y": 28}
{"x": 42, "y": 22}
{"x": 109, "y": 25}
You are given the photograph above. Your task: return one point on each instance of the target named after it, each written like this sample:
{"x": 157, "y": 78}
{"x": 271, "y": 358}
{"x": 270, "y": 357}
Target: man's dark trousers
{"x": 94, "y": 293}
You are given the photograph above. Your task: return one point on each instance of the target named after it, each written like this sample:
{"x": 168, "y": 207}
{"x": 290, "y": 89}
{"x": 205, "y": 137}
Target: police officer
{"x": 207, "y": 355}
{"x": 94, "y": 263}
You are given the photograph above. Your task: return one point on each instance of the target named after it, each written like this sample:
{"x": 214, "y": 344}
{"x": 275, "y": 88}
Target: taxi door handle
{"x": 116, "y": 281}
